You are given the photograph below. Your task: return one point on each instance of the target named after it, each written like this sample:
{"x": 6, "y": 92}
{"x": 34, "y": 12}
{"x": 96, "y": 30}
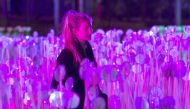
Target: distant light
{"x": 32, "y": 64}
{"x": 27, "y": 36}
{"x": 151, "y": 33}
{"x": 34, "y": 44}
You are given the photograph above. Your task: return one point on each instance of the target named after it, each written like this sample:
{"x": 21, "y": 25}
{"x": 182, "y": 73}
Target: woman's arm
{"x": 64, "y": 58}
{"x": 90, "y": 53}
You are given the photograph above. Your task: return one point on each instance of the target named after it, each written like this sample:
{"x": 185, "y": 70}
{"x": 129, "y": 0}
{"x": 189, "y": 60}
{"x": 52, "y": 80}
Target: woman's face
{"x": 84, "y": 31}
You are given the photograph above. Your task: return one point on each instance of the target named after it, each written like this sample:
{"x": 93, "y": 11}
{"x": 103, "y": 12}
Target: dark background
{"x": 107, "y": 14}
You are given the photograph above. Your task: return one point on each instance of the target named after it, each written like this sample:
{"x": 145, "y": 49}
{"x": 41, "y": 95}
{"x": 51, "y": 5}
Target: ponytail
{"x": 68, "y": 35}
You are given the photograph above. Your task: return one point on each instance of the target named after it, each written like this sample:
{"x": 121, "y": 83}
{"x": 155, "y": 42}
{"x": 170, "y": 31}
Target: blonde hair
{"x": 72, "y": 20}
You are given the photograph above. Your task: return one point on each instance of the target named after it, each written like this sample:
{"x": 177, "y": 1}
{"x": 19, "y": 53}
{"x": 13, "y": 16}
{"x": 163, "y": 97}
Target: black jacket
{"x": 66, "y": 58}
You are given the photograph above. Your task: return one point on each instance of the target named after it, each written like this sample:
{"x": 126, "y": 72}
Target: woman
{"x": 77, "y": 30}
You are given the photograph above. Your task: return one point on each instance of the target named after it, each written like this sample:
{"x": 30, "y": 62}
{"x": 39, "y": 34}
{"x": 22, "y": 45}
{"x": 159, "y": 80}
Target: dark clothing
{"x": 66, "y": 58}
